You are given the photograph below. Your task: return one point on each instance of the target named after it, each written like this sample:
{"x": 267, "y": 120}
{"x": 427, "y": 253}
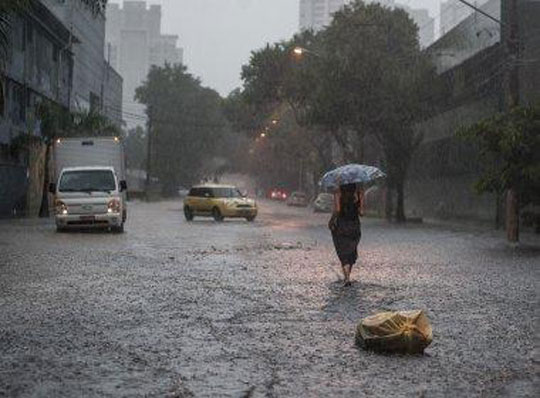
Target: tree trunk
{"x": 388, "y": 202}
{"x": 512, "y": 216}
{"x": 400, "y": 206}
{"x": 498, "y": 210}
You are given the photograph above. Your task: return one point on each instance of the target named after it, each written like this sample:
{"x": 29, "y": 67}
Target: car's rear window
{"x": 226, "y": 193}
{"x": 194, "y": 192}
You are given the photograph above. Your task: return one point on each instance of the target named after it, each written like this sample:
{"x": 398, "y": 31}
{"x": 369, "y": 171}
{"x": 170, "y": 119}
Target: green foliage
{"x": 363, "y": 76}
{"x": 187, "y": 124}
{"x": 57, "y": 121}
{"x": 510, "y": 150}
{"x": 91, "y": 124}
{"x": 136, "y": 144}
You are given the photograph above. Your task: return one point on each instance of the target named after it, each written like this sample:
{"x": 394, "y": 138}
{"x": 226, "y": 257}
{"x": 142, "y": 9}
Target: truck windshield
{"x": 87, "y": 181}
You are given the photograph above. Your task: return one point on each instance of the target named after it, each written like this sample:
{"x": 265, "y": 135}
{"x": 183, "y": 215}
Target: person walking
{"x": 345, "y": 226}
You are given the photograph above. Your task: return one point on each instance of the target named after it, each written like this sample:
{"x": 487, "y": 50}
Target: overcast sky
{"x": 218, "y": 35}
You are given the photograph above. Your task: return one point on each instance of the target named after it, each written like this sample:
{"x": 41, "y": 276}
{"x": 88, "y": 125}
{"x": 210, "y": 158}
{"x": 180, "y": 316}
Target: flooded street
{"x": 242, "y": 309}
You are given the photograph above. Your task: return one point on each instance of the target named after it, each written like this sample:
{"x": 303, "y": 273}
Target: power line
{"x": 481, "y": 11}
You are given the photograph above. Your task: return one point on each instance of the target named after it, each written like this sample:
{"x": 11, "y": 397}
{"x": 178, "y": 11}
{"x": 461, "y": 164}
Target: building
{"x": 92, "y": 76}
{"x": 471, "y": 61}
{"x": 453, "y": 12}
{"x": 38, "y": 74}
{"x": 425, "y": 23}
{"x": 316, "y": 14}
{"x": 134, "y": 43}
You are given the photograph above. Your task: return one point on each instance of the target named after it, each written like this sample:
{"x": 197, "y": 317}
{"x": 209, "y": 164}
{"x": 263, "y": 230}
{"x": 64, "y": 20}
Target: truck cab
{"x": 89, "y": 197}
{"x": 88, "y": 183}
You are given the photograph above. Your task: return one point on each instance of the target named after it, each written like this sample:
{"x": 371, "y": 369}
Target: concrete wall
{"x": 112, "y": 95}
{"x": 529, "y": 16}
{"x": 445, "y": 168}
{"x": 91, "y": 74}
{"x": 38, "y": 72}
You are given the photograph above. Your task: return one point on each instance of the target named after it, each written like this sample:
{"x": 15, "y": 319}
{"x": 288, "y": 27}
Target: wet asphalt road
{"x": 171, "y": 309}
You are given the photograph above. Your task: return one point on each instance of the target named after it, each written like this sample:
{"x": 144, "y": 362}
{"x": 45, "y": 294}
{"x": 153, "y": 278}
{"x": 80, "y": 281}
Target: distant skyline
{"x": 218, "y": 35}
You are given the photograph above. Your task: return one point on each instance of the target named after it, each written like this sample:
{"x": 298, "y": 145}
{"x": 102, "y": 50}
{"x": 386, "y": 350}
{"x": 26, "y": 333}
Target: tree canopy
{"x": 360, "y": 85}
{"x": 187, "y": 124}
{"x": 510, "y": 150}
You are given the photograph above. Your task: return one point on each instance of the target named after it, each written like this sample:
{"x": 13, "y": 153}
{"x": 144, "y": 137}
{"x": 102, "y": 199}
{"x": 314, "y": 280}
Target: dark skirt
{"x": 346, "y": 236}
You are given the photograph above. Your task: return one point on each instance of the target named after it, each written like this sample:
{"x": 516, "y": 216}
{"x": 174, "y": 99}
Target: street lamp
{"x": 300, "y": 51}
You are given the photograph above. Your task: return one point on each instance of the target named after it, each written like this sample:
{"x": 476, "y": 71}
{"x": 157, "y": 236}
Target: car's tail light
{"x": 113, "y": 206}
{"x": 61, "y": 207}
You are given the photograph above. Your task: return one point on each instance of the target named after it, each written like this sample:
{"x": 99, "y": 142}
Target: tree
{"x": 187, "y": 125}
{"x": 362, "y": 84}
{"x": 510, "y": 151}
{"x": 374, "y": 82}
{"x": 136, "y": 145}
{"x": 278, "y": 86}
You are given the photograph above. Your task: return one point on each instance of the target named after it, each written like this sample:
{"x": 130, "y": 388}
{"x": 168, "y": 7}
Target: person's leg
{"x": 349, "y": 270}
{"x": 344, "y": 269}
{"x": 346, "y": 274}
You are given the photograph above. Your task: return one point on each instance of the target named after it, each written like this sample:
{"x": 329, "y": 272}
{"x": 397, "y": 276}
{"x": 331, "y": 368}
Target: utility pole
{"x": 149, "y": 152}
{"x": 511, "y": 42}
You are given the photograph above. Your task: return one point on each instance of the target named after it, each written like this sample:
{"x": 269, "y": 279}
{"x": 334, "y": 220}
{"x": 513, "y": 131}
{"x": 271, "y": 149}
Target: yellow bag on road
{"x": 406, "y": 332}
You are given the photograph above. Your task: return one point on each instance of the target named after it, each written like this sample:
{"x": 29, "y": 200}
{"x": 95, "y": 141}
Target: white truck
{"x": 89, "y": 185}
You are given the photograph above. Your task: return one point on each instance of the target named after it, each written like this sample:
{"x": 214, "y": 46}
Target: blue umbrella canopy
{"x": 360, "y": 174}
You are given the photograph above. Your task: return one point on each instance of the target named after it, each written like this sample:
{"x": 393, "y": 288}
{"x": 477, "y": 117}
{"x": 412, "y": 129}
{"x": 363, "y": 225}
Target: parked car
{"x": 278, "y": 194}
{"x": 324, "y": 203}
{"x": 218, "y": 201}
{"x": 298, "y": 198}
{"x": 182, "y": 191}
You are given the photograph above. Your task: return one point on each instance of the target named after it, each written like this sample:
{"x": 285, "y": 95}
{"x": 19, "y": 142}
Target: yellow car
{"x": 218, "y": 201}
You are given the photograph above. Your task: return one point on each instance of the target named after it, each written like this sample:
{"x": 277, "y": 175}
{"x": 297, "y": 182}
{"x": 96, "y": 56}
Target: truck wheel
{"x": 188, "y": 214}
{"x": 250, "y": 218}
{"x": 60, "y": 229}
{"x": 217, "y": 214}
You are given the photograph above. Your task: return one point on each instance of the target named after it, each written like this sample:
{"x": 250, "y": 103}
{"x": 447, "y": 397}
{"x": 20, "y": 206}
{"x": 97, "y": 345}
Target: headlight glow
{"x": 61, "y": 207}
{"x": 113, "y": 206}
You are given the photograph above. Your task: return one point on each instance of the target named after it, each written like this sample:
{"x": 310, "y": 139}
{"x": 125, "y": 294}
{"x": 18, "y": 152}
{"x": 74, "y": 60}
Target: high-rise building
{"x": 425, "y": 23}
{"x": 135, "y": 43}
{"x": 316, "y": 14}
{"x": 96, "y": 85}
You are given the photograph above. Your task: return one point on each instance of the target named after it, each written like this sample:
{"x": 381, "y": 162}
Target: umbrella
{"x": 351, "y": 174}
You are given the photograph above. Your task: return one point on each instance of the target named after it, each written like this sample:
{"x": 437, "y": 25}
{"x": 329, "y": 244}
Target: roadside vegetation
{"x": 350, "y": 93}
{"x": 186, "y": 125}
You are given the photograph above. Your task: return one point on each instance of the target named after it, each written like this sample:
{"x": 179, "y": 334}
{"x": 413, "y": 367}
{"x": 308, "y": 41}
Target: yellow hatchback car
{"x": 218, "y": 201}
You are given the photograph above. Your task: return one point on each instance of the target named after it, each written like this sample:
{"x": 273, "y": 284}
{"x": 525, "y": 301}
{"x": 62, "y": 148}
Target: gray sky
{"x": 218, "y": 35}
